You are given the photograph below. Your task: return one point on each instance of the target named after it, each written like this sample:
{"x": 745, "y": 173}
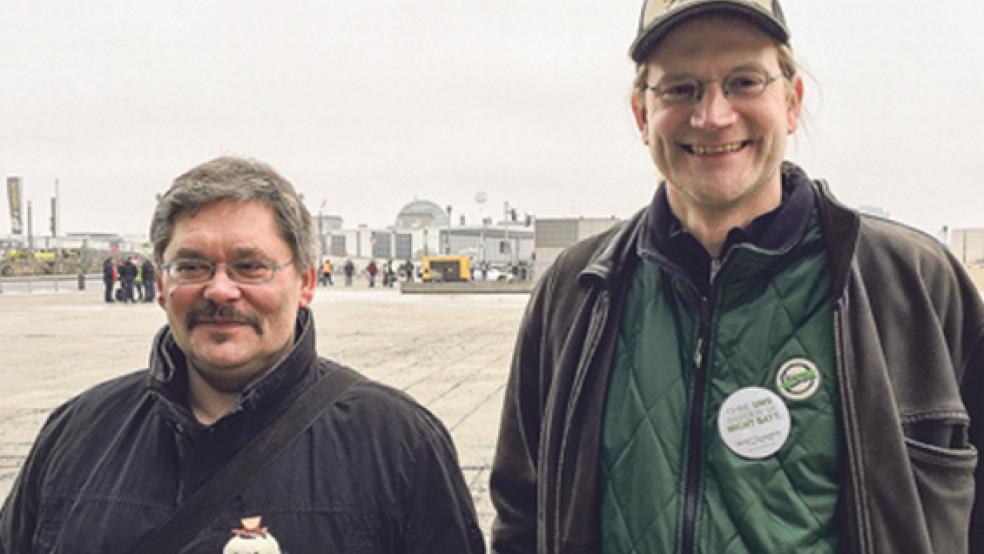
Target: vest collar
{"x": 665, "y": 242}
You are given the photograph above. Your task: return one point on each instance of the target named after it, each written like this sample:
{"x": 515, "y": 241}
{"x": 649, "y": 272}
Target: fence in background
{"x": 50, "y": 283}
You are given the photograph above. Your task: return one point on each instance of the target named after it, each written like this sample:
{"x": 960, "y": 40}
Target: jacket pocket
{"x": 944, "y": 478}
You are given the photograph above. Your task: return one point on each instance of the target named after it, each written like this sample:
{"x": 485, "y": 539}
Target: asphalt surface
{"x": 450, "y": 352}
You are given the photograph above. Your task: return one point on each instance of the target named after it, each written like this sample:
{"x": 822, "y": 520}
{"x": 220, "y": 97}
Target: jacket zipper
{"x": 852, "y": 458}
{"x": 695, "y": 430}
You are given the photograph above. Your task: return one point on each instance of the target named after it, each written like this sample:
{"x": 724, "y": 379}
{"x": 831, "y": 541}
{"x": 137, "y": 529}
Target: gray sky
{"x": 368, "y": 104}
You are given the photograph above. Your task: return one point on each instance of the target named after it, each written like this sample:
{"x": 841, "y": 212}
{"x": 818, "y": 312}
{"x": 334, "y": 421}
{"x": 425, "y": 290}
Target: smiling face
{"x": 232, "y": 333}
{"x": 720, "y": 153}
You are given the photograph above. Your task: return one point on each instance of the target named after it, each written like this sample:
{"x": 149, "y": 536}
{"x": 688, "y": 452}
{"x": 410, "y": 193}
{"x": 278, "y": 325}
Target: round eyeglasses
{"x": 195, "y": 271}
{"x": 740, "y": 85}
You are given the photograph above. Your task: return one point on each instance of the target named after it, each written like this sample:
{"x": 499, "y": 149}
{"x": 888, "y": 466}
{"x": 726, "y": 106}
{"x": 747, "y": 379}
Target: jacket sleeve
{"x": 974, "y": 400}
{"x": 963, "y": 321}
{"x": 19, "y": 516}
{"x": 513, "y": 483}
{"x": 442, "y": 514}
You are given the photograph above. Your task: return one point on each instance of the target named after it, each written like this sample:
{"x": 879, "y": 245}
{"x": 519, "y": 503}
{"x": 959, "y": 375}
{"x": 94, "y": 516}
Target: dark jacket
{"x": 128, "y": 271}
{"x": 376, "y": 474}
{"x": 147, "y": 271}
{"x": 909, "y": 332}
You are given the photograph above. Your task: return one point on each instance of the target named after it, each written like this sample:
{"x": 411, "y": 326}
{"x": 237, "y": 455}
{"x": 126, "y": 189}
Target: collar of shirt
{"x": 665, "y": 239}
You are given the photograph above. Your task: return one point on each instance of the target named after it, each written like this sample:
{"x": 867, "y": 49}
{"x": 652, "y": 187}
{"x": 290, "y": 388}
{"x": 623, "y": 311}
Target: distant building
{"x": 422, "y": 228}
{"x": 383, "y": 243}
{"x": 876, "y": 211}
{"x": 112, "y": 242}
{"x": 553, "y": 235}
{"x": 327, "y": 222}
{"x": 326, "y": 226}
{"x": 497, "y": 244}
{"x": 968, "y": 245}
{"x": 11, "y": 241}
{"x": 977, "y": 275}
{"x": 421, "y": 214}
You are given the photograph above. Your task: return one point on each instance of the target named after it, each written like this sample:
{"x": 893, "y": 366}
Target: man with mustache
{"x": 373, "y": 473}
{"x": 746, "y": 365}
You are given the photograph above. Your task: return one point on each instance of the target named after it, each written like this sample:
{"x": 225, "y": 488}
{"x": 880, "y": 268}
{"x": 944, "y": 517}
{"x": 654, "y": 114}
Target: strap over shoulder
{"x": 202, "y": 507}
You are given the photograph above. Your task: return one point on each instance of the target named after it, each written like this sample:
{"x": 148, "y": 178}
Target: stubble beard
{"x": 708, "y": 197}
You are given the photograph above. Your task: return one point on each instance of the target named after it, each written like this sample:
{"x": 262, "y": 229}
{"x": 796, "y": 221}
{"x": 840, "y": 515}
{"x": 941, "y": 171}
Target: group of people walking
{"x": 128, "y": 279}
{"x": 389, "y": 272}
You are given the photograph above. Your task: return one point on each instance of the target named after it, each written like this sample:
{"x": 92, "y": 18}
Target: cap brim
{"x": 648, "y": 39}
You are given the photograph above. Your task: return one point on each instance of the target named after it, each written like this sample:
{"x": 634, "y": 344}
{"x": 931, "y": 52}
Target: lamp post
{"x": 447, "y": 235}
{"x": 321, "y": 226}
{"x": 30, "y": 228}
{"x": 480, "y": 198}
{"x": 55, "y": 212}
{"x": 506, "y": 220}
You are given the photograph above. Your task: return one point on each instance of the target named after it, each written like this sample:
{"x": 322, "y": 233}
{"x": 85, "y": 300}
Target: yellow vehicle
{"x": 25, "y": 262}
{"x": 48, "y": 256}
{"x": 437, "y": 269}
{"x": 39, "y": 255}
{"x": 47, "y": 261}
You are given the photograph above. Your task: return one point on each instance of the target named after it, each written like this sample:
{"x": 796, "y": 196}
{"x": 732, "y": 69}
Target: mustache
{"x": 212, "y": 312}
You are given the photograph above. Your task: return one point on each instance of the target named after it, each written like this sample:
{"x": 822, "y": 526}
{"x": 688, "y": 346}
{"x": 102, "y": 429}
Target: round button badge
{"x": 798, "y": 379}
{"x": 754, "y": 422}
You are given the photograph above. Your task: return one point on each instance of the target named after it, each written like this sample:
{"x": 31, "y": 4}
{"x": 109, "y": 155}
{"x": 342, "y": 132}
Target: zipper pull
{"x": 699, "y": 353}
{"x": 715, "y": 268}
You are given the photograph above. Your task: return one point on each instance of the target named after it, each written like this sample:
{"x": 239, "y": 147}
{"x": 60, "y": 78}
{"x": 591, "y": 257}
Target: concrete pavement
{"x": 450, "y": 352}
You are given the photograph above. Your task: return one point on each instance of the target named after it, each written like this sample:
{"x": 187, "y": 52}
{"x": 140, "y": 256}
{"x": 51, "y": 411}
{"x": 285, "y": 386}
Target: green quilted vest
{"x": 669, "y": 487}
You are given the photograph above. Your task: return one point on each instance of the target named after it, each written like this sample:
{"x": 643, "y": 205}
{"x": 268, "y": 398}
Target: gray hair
{"x": 242, "y": 180}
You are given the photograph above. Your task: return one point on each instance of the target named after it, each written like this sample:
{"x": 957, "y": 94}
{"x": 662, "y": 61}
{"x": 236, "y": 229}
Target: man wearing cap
{"x": 746, "y": 365}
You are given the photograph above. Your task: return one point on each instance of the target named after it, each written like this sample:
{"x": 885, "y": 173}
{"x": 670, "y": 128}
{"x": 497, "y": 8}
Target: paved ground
{"x": 450, "y": 352}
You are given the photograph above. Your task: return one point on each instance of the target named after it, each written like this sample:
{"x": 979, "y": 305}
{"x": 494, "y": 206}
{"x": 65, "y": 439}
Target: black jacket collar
{"x": 266, "y": 397}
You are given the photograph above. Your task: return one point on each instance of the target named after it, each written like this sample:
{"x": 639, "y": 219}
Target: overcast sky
{"x": 366, "y": 105}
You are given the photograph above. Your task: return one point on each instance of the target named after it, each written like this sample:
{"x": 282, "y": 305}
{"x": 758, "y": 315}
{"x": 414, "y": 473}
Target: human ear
{"x": 794, "y": 104}
{"x": 641, "y": 117}
{"x": 309, "y": 283}
{"x": 160, "y": 290}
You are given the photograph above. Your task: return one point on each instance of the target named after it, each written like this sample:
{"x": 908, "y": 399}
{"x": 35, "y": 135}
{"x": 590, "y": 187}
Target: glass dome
{"x": 421, "y": 213}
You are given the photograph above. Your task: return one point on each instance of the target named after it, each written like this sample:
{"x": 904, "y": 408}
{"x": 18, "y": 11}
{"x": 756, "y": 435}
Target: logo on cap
{"x": 798, "y": 379}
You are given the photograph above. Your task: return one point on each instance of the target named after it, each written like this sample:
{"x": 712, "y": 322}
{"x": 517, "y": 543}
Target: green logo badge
{"x": 798, "y": 379}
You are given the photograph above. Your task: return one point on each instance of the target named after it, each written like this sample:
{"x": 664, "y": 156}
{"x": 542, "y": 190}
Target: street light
{"x": 480, "y": 198}
{"x": 506, "y": 220}
{"x": 321, "y": 226}
{"x": 447, "y": 237}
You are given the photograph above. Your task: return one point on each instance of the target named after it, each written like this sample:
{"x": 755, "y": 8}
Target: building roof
{"x": 421, "y": 213}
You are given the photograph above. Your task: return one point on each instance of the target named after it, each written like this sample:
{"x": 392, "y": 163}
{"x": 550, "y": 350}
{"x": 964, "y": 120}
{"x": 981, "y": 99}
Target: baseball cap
{"x": 659, "y": 16}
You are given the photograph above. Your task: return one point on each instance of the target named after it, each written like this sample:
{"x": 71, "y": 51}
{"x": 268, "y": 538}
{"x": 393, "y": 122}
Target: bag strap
{"x": 205, "y": 504}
